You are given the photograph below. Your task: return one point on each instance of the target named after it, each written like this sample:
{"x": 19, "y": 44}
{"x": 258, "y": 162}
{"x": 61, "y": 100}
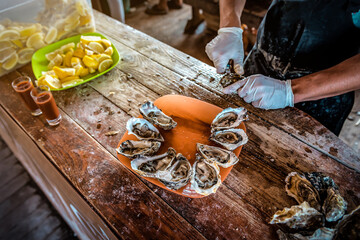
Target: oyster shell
{"x": 298, "y": 187}
{"x": 349, "y": 226}
{"x": 299, "y": 217}
{"x": 154, "y": 115}
{"x": 321, "y": 183}
{"x": 143, "y": 129}
{"x": 221, "y": 157}
{"x": 152, "y": 166}
{"x": 205, "y": 178}
{"x": 323, "y": 233}
{"x": 229, "y": 118}
{"x": 230, "y": 78}
{"x": 177, "y": 174}
{"x": 334, "y": 206}
{"x": 230, "y": 138}
{"x": 131, "y": 148}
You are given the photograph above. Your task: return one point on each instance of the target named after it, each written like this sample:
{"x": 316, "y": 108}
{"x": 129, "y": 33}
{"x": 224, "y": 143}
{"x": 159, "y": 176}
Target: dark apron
{"x": 297, "y": 38}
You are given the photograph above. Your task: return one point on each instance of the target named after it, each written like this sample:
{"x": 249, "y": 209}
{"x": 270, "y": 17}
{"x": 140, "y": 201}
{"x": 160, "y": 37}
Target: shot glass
{"x": 46, "y": 102}
{"x": 23, "y": 86}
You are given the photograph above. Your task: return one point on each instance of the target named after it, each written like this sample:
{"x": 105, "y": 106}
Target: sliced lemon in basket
{"x": 51, "y": 35}
{"x": 106, "y": 43}
{"x": 104, "y": 65}
{"x": 109, "y": 51}
{"x": 25, "y": 55}
{"x": 52, "y": 82}
{"x": 67, "y": 58}
{"x": 95, "y": 47}
{"x": 11, "y": 62}
{"x": 101, "y": 57}
{"x": 67, "y": 47}
{"x": 81, "y": 71}
{"x": 9, "y": 35}
{"x": 90, "y": 62}
{"x": 79, "y": 52}
{"x": 64, "y": 72}
{"x": 87, "y": 39}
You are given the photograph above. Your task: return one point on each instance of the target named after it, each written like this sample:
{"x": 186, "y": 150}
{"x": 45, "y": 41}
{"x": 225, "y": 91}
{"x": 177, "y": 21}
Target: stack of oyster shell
{"x": 173, "y": 169}
{"x": 321, "y": 207}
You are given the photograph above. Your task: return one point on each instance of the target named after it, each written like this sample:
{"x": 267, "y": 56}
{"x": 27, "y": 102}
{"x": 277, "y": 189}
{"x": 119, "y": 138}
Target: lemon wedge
{"x": 6, "y": 53}
{"x": 25, "y": 55}
{"x": 5, "y": 44}
{"x": 70, "y": 78}
{"x": 51, "y": 35}
{"x": 72, "y": 82}
{"x": 109, "y": 51}
{"x": 9, "y": 35}
{"x": 87, "y": 39}
{"x": 105, "y": 65}
{"x": 95, "y": 47}
{"x": 106, "y": 43}
{"x": 81, "y": 71}
{"x": 67, "y": 59}
{"x": 90, "y": 62}
{"x": 86, "y": 29}
{"x": 64, "y": 72}
{"x": 36, "y": 41}
{"x": 11, "y": 62}
{"x": 101, "y": 57}
{"x": 30, "y": 30}
{"x": 67, "y": 47}
{"x": 52, "y": 82}
{"x": 79, "y": 52}
{"x": 75, "y": 61}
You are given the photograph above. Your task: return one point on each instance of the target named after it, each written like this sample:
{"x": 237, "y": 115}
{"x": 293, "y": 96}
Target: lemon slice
{"x": 51, "y": 35}
{"x": 71, "y": 82}
{"x": 105, "y": 65}
{"x": 52, "y": 82}
{"x": 30, "y": 30}
{"x": 36, "y": 41}
{"x": 25, "y": 55}
{"x": 11, "y": 62}
{"x": 6, "y": 53}
{"x": 72, "y": 25}
{"x": 102, "y": 57}
{"x": 64, "y": 72}
{"x": 18, "y": 43}
{"x": 81, "y": 71}
{"x": 5, "y": 44}
{"x": 92, "y": 70}
{"x": 88, "y": 52}
{"x": 81, "y": 8}
{"x": 85, "y": 20}
{"x": 79, "y": 52}
{"x": 56, "y": 61}
{"x": 70, "y": 78}
{"x": 41, "y": 81}
{"x": 50, "y": 56}
{"x": 106, "y": 43}
{"x": 67, "y": 47}
{"x": 90, "y": 62}
{"x": 86, "y": 29}
{"x": 9, "y": 35}
{"x": 109, "y": 51}
{"x": 87, "y": 39}
{"x": 95, "y": 47}
{"x": 67, "y": 58}
{"x": 75, "y": 61}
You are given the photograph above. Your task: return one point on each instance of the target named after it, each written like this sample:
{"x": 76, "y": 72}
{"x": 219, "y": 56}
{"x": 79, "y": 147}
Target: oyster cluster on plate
{"x": 206, "y": 177}
{"x": 320, "y": 208}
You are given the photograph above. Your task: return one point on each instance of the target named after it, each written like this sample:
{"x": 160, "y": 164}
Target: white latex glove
{"x": 263, "y": 92}
{"x": 228, "y": 44}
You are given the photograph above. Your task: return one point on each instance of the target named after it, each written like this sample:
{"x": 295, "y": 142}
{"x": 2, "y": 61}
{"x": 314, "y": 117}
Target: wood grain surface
{"x": 279, "y": 142}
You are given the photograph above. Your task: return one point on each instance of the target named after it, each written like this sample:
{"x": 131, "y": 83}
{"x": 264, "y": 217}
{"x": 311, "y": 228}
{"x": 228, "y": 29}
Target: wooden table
{"x": 75, "y": 163}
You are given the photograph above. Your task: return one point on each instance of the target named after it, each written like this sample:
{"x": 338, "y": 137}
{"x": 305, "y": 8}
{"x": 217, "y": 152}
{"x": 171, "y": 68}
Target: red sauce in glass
{"x": 24, "y": 88}
{"x": 46, "y": 103}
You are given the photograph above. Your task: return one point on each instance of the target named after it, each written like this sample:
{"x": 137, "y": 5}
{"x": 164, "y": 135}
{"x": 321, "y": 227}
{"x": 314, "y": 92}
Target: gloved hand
{"x": 228, "y": 44}
{"x": 263, "y": 92}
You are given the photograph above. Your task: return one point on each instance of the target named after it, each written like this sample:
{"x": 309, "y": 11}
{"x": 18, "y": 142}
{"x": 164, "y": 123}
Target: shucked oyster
{"x": 177, "y": 174}
{"x": 143, "y": 130}
{"x": 300, "y": 217}
{"x": 334, "y": 206}
{"x": 349, "y": 226}
{"x": 229, "y": 118}
{"x": 298, "y": 187}
{"x": 230, "y": 138}
{"x": 221, "y": 157}
{"x": 131, "y": 148}
{"x": 205, "y": 178}
{"x": 154, "y": 115}
{"x": 153, "y": 166}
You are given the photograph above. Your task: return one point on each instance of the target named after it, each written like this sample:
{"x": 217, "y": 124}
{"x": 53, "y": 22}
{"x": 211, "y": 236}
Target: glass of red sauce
{"x": 46, "y": 102}
{"x": 23, "y": 86}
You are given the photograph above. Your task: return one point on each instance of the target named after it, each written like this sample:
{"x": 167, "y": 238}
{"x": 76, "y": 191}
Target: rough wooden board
{"x": 96, "y": 174}
{"x": 292, "y": 121}
{"x": 41, "y": 232}
{"x": 14, "y": 185}
{"x": 6, "y": 176}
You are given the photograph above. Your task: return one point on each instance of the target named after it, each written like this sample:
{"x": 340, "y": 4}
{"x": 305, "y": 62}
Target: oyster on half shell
{"x": 177, "y": 174}
{"x": 205, "y": 178}
{"x": 131, "y": 148}
{"x": 143, "y": 129}
{"x": 299, "y": 217}
{"x": 229, "y": 118}
{"x": 154, "y": 115}
{"x": 230, "y": 138}
{"x": 222, "y": 157}
{"x": 334, "y": 206}
{"x": 155, "y": 165}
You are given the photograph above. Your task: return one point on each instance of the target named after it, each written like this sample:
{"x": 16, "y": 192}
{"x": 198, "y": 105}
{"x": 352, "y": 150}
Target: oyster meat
{"x": 230, "y": 138}
{"x": 143, "y": 129}
{"x": 299, "y": 217}
{"x": 153, "y": 166}
{"x": 298, "y": 187}
{"x": 334, "y": 206}
{"x": 154, "y": 115}
{"x": 205, "y": 178}
{"x": 177, "y": 174}
{"x": 229, "y": 118}
{"x": 221, "y": 157}
{"x": 131, "y": 148}
{"x": 349, "y": 226}
{"x": 321, "y": 182}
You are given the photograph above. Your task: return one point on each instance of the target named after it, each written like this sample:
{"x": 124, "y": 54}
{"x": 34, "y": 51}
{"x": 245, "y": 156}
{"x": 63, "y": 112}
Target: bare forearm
{"x": 342, "y": 78}
{"x": 230, "y": 12}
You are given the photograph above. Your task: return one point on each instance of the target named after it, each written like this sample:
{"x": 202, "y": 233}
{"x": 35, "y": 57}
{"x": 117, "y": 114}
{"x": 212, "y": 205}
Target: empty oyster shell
{"x": 177, "y": 174}
{"x": 131, "y": 148}
{"x": 229, "y": 118}
{"x": 205, "y": 178}
{"x": 323, "y": 233}
{"x": 349, "y": 226}
{"x": 299, "y": 217}
{"x": 230, "y": 138}
{"x": 143, "y": 129}
{"x": 334, "y": 206}
{"x": 298, "y": 187}
{"x": 221, "y": 157}
{"x": 152, "y": 166}
{"x": 154, "y": 115}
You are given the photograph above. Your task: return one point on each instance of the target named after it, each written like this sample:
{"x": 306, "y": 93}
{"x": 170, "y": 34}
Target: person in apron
{"x": 306, "y": 55}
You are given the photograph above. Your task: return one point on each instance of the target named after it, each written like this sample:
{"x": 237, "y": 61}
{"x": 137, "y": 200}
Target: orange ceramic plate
{"x": 193, "y": 119}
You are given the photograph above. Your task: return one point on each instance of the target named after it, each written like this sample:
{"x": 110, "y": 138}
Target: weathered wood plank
{"x": 6, "y": 176}
{"x": 96, "y": 174}
{"x": 13, "y": 185}
{"x": 290, "y": 120}
{"x": 49, "y": 224}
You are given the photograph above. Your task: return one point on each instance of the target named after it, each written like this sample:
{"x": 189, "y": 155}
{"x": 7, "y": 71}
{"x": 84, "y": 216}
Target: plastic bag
{"x": 26, "y": 26}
